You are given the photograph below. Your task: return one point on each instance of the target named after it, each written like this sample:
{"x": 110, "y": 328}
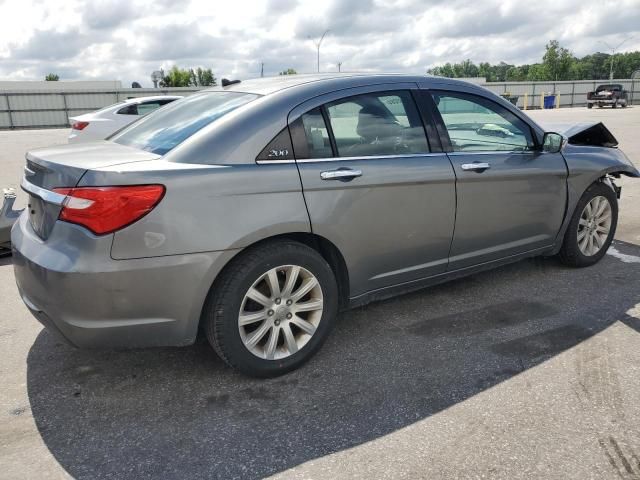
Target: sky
{"x": 128, "y": 39}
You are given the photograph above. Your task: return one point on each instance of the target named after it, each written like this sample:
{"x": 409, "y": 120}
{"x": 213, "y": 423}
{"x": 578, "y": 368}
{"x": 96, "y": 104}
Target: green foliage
{"x": 178, "y": 77}
{"x": 558, "y": 63}
{"x": 52, "y": 77}
{"x": 288, "y": 71}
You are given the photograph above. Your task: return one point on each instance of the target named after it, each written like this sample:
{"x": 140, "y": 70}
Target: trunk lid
{"x": 64, "y": 166}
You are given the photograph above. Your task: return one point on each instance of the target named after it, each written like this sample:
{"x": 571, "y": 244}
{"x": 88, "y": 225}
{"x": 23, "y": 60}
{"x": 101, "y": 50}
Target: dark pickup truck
{"x": 610, "y": 94}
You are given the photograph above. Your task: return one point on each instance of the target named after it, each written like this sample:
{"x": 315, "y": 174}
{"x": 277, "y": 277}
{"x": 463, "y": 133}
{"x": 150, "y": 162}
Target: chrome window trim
{"x": 46, "y": 195}
{"x": 267, "y": 162}
{"x": 493, "y": 152}
{"x": 372, "y": 157}
{"x": 384, "y": 157}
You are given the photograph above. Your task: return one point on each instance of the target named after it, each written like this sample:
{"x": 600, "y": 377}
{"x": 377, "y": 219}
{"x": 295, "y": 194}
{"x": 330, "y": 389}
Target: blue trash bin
{"x": 549, "y": 101}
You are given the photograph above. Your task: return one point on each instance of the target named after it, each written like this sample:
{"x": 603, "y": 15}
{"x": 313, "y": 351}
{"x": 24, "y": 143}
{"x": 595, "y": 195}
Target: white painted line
{"x": 623, "y": 257}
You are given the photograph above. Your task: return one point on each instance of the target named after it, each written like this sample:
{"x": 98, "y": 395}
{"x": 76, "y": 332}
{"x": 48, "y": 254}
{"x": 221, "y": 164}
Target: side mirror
{"x": 552, "y": 142}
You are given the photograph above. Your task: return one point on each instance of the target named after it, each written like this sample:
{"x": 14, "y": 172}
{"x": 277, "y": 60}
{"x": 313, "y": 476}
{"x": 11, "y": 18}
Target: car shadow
{"x": 181, "y": 413}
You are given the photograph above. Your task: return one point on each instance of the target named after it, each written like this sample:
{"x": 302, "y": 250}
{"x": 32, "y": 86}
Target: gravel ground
{"x": 527, "y": 371}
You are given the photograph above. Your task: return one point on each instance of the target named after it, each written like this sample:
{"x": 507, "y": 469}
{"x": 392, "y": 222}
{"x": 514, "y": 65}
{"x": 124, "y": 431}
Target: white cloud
{"x": 127, "y": 39}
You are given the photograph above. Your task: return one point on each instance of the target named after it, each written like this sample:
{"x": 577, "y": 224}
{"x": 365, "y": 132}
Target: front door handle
{"x": 344, "y": 174}
{"x": 475, "y": 167}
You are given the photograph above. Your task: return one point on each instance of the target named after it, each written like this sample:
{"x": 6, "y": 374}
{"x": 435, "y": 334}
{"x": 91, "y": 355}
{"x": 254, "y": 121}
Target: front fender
{"x": 586, "y": 164}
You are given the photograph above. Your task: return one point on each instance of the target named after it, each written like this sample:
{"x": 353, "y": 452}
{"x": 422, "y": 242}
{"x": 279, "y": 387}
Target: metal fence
{"x": 44, "y": 108}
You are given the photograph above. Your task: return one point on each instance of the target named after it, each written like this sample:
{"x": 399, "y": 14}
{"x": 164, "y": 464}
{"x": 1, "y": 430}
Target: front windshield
{"x": 164, "y": 129}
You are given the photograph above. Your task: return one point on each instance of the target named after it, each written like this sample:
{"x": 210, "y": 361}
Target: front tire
{"x": 589, "y": 105}
{"x": 272, "y": 308}
{"x": 592, "y": 227}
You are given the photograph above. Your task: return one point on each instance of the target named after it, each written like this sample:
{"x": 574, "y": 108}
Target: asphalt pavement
{"x": 528, "y": 371}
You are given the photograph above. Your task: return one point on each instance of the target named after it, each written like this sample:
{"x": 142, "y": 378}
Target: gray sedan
{"x": 254, "y": 212}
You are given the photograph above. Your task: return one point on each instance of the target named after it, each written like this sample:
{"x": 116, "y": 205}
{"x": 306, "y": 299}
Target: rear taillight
{"x": 79, "y": 125}
{"x": 107, "y": 209}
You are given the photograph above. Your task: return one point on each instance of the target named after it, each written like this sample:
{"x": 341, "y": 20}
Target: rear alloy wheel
{"x": 272, "y": 308}
{"x": 280, "y": 312}
{"x": 592, "y": 227}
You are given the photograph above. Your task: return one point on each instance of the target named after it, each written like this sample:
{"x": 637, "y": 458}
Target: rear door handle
{"x": 475, "y": 167}
{"x": 340, "y": 174}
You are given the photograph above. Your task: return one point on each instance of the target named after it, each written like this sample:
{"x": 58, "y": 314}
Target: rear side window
{"x": 476, "y": 124}
{"x": 165, "y": 129}
{"x": 377, "y": 124}
{"x": 316, "y": 135}
{"x": 131, "y": 109}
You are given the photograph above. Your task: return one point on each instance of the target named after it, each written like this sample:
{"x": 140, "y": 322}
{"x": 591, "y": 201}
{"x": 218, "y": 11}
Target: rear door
{"x": 511, "y": 196}
{"x": 373, "y": 186}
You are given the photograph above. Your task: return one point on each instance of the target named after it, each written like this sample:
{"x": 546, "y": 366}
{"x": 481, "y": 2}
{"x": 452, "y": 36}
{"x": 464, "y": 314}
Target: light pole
{"x": 318, "y": 43}
{"x": 613, "y": 52}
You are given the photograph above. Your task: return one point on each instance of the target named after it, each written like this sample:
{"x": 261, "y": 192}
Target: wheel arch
{"x": 320, "y": 244}
{"x": 575, "y": 194}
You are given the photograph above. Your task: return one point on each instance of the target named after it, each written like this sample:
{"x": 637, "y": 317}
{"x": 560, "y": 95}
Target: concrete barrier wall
{"x": 45, "y": 108}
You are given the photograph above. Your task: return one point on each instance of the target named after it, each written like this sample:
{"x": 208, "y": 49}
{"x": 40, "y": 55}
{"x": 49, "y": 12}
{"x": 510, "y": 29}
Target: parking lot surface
{"x": 528, "y": 371}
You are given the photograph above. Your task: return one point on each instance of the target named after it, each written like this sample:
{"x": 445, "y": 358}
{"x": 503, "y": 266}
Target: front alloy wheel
{"x": 592, "y": 227}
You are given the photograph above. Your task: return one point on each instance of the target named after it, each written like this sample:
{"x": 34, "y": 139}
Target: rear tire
{"x": 253, "y": 318}
{"x": 589, "y": 105}
{"x": 592, "y": 227}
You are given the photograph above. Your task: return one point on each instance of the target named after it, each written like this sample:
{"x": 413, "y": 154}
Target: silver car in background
{"x": 256, "y": 211}
{"x": 100, "y": 124}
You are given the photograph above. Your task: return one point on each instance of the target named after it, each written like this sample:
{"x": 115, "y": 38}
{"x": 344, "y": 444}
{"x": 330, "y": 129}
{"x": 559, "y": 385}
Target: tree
{"x": 52, "y": 77}
{"x": 176, "y": 77}
{"x": 205, "y": 77}
{"x": 288, "y": 71}
{"x": 557, "y": 61}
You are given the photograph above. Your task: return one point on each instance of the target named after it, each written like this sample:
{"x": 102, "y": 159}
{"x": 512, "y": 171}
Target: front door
{"x": 511, "y": 195}
{"x": 375, "y": 189}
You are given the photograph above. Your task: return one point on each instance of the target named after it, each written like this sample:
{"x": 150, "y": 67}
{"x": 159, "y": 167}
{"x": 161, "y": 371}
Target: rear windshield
{"x": 171, "y": 125}
{"x": 608, "y": 88}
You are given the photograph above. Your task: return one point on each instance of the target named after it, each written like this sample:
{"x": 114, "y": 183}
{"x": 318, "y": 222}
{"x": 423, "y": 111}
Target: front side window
{"x": 476, "y": 124}
{"x": 377, "y": 124}
{"x": 168, "y": 127}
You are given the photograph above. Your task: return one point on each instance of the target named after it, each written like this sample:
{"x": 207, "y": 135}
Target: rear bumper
{"x": 76, "y": 289}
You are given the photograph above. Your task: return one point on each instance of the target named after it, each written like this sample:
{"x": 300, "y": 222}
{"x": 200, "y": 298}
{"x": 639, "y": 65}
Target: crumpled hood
{"x": 593, "y": 134}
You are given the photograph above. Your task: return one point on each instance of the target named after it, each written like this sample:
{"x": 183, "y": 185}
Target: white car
{"x": 100, "y": 124}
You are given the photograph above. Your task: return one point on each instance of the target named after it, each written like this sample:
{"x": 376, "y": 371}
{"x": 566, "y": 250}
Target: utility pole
{"x": 262, "y": 69}
{"x": 318, "y": 43}
{"x": 613, "y": 52}
{"x": 339, "y": 66}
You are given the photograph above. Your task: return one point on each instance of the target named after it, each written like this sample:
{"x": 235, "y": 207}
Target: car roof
{"x": 268, "y": 85}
